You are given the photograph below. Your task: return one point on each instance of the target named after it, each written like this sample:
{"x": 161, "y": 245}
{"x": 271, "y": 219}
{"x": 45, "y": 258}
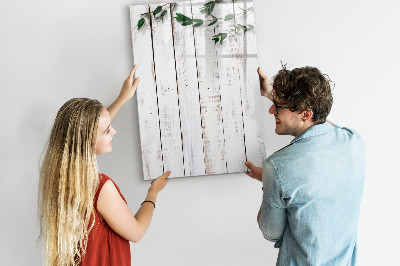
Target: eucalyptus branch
{"x": 207, "y": 8}
{"x": 158, "y": 13}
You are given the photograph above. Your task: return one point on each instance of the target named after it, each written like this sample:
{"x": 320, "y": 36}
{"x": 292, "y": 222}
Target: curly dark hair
{"x": 304, "y": 88}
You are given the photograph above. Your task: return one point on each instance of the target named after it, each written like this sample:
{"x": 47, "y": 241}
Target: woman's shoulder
{"x": 103, "y": 176}
{"x": 103, "y": 179}
{"x": 109, "y": 184}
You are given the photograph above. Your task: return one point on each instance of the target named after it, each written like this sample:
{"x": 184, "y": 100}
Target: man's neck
{"x": 303, "y": 128}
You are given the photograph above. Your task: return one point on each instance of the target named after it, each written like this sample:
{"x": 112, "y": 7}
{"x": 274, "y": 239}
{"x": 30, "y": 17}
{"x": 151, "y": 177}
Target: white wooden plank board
{"x": 210, "y": 97}
{"x": 251, "y": 100}
{"x": 168, "y": 103}
{"x": 249, "y": 39}
{"x": 202, "y": 112}
{"x": 252, "y": 115}
{"x": 146, "y": 97}
{"x": 188, "y": 90}
{"x": 229, "y": 66}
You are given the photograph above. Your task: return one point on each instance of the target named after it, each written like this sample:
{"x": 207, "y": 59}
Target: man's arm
{"x": 127, "y": 92}
{"x": 272, "y": 211}
{"x": 272, "y": 217}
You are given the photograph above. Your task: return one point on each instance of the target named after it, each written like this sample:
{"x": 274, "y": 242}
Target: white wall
{"x": 51, "y": 51}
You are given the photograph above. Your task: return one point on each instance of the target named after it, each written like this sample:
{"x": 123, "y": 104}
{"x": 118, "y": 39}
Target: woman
{"x": 84, "y": 219}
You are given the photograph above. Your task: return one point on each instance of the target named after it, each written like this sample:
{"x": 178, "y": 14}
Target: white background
{"x": 51, "y": 51}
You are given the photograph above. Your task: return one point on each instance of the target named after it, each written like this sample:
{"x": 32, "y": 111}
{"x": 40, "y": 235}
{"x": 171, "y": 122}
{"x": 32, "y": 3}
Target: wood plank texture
{"x": 146, "y": 97}
{"x": 251, "y": 100}
{"x": 228, "y": 68}
{"x": 188, "y": 90}
{"x": 210, "y": 97}
{"x": 198, "y": 102}
{"x": 168, "y": 103}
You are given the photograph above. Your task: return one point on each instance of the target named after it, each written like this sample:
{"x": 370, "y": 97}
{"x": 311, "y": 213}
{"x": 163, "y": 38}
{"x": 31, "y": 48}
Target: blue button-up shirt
{"x": 311, "y": 197}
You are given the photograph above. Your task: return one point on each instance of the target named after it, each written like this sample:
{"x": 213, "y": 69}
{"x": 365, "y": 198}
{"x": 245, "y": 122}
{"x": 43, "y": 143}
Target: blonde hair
{"x": 68, "y": 182}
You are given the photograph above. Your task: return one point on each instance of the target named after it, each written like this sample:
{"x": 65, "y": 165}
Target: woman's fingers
{"x": 129, "y": 79}
{"x": 133, "y": 71}
{"x": 136, "y": 82}
{"x": 165, "y": 175}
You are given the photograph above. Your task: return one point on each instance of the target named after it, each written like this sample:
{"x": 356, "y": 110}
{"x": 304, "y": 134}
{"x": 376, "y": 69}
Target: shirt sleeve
{"x": 273, "y": 218}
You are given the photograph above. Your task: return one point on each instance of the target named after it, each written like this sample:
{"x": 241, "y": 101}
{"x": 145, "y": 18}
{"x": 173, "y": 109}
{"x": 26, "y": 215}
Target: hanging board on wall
{"x": 199, "y": 96}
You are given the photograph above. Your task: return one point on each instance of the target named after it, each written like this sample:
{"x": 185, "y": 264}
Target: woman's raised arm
{"x": 127, "y": 91}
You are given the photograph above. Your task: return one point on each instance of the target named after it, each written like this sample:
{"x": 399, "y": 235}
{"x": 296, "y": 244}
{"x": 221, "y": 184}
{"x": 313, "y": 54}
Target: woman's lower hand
{"x": 158, "y": 184}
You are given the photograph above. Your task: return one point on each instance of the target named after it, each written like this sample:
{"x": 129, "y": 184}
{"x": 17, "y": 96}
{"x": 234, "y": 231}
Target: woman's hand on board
{"x": 158, "y": 184}
{"x": 127, "y": 92}
{"x": 129, "y": 86}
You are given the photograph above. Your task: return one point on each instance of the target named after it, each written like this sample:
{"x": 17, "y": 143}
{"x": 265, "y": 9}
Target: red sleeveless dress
{"x": 105, "y": 247}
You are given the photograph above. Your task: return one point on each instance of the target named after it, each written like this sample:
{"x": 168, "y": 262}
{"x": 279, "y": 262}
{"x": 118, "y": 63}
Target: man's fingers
{"x": 251, "y": 174}
{"x": 260, "y": 72}
{"x": 249, "y": 165}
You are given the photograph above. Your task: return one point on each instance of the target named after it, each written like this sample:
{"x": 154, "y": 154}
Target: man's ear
{"x": 307, "y": 115}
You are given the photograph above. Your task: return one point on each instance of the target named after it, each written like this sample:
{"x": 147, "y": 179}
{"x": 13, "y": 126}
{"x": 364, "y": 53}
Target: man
{"x": 312, "y": 187}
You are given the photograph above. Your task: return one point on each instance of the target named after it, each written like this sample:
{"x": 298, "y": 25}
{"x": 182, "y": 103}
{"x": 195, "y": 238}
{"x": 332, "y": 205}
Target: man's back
{"x": 313, "y": 188}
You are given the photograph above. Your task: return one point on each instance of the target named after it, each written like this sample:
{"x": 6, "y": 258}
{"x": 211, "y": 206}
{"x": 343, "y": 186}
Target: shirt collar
{"x": 314, "y": 131}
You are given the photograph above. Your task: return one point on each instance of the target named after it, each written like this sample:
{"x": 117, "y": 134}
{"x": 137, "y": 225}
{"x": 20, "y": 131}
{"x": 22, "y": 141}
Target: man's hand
{"x": 256, "y": 172}
{"x": 265, "y": 87}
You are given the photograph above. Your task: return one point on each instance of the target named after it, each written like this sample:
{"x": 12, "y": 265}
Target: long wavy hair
{"x": 68, "y": 182}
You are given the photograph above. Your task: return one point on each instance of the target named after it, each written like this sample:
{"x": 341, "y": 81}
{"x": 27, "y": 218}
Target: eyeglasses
{"x": 278, "y": 106}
